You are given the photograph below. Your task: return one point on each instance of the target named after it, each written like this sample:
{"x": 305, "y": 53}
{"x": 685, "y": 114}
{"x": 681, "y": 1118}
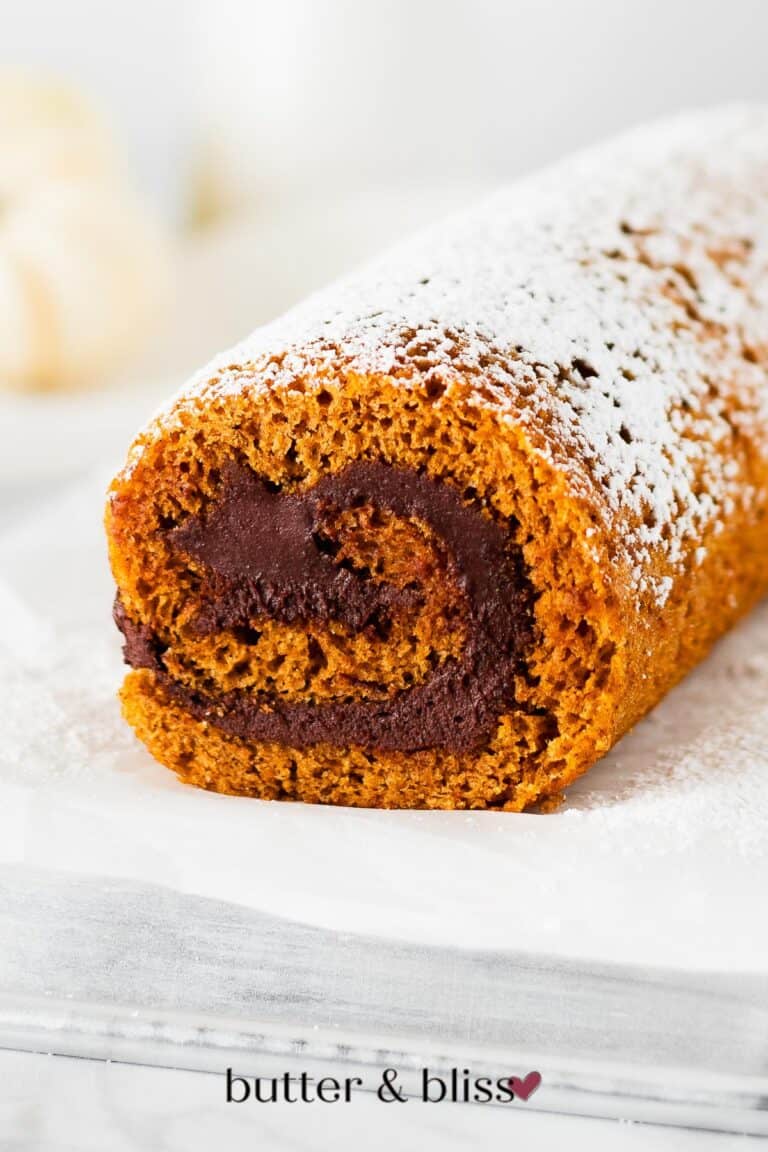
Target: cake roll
{"x": 441, "y": 535}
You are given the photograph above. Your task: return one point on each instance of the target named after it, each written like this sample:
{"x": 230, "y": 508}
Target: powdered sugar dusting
{"x": 696, "y": 768}
{"x": 616, "y": 305}
{"x": 61, "y": 717}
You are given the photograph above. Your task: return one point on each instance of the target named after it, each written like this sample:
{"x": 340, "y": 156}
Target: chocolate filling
{"x": 265, "y": 553}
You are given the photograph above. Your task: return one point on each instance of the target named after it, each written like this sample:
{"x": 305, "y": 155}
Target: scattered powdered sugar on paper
{"x": 616, "y": 305}
{"x": 61, "y": 718}
{"x": 716, "y": 786}
{"x": 696, "y": 768}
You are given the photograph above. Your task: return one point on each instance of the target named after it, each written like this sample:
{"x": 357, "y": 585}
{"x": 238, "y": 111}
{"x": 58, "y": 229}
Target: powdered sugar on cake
{"x": 616, "y": 305}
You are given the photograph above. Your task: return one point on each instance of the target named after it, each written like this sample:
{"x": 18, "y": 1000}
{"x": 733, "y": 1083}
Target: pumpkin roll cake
{"x": 438, "y": 537}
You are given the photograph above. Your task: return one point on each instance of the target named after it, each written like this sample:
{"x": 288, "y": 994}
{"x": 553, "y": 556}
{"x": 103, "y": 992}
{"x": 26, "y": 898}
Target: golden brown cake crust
{"x": 631, "y": 476}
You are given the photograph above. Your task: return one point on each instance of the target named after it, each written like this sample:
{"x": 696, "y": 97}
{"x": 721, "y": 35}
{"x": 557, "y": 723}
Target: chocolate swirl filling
{"x": 264, "y": 553}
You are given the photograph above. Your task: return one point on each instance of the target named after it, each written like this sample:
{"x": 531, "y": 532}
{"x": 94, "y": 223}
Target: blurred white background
{"x": 283, "y": 141}
{"x": 314, "y": 95}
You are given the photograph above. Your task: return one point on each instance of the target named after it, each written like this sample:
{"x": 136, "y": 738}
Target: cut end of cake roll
{"x": 338, "y": 597}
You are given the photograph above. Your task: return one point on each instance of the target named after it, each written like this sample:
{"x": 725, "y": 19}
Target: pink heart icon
{"x": 523, "y": 1089}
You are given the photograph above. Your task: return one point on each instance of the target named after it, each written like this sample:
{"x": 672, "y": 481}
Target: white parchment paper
{"x": 660, "y": 855}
